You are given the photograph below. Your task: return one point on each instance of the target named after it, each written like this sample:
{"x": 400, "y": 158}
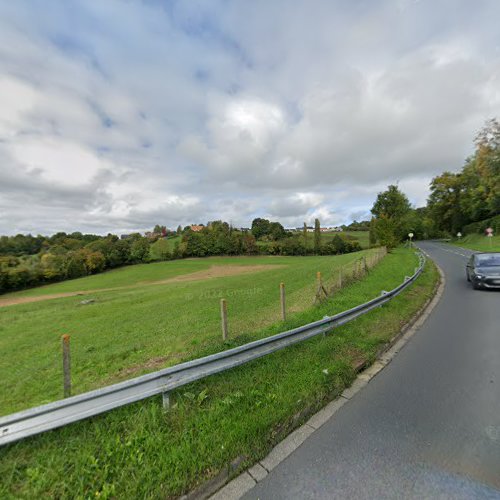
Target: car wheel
{"x": 475, "y": 286}
{"x": 468, "y": 277}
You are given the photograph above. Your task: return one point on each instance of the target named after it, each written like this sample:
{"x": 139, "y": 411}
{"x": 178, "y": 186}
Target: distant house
{"x": 195, "y": 228}
{"x": 125, "y": 236}
{"x": 244, "y": 229}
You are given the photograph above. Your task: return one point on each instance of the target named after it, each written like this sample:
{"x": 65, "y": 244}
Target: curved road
{"x": 426, "y": 426}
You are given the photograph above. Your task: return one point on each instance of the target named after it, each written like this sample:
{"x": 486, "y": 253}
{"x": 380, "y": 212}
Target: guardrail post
{"x": 382, "y": 293}
{"x": 223, "y": 314}
{"x": 166, "y": 400}
{"x": 282, "y": 299}
{"x": 365, "y": 264}
{"x": 66, "y": 366}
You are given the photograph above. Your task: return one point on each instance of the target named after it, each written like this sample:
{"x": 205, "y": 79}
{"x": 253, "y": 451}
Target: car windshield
{"x": 485, "y": 260}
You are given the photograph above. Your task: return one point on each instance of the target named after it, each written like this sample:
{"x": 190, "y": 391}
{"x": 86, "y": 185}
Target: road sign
{"x": 489, "y": 231}
{"x": 410, "y": 235}
{"x": 459, "y": 234}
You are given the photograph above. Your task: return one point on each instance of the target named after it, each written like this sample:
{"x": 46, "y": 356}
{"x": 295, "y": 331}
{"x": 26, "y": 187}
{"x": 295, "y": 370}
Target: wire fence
{"x": 72, "y": 409}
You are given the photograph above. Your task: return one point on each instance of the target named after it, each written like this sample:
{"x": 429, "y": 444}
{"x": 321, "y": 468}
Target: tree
{"x": 94, "y": 261}
{"x": 75, "y": 266}
{"x": 52, "y": 266}
{"x": 317, "y": 236}
{"x": 276, "y": 231}
{"x": 195, "y": 244}
{"x": 392, "y": 203}
{"x": 373, "y": 233}
{"x": 139, "y": 250}
{"x": 390, "y": 209}
{"x": 304, "y": 234}
{"x": 260, "y": 227}
{"x": 249, "y": 245}
{"x": 385, "y": 230}
{"x": 160, "y": 230}
{"x": 444, "y": 202}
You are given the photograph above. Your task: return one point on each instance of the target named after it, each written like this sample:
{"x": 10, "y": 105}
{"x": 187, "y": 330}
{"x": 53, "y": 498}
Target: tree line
{"x": 466, "y": 201}
{"x": 27, "y": 261}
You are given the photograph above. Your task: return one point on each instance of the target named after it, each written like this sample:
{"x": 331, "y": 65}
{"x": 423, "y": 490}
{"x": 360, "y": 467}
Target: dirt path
{"x": 206, "y": 274}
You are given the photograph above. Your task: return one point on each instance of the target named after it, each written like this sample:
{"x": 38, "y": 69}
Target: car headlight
{"x": 479, "y": 276}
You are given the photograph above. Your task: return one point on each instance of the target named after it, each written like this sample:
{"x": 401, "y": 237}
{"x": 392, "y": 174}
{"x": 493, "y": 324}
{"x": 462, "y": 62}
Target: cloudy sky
{"x": 118, "y": 115}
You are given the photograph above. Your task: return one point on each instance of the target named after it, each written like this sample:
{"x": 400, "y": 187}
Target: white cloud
{"x": 118, "y": 116}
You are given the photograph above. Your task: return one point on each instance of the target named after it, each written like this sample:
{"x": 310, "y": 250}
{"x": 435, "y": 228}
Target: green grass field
{"x": 139, "y": 451}
{"x": 143, "y": 327}
{"x": 362, "y": 237}
{"x": 479, "y": 242}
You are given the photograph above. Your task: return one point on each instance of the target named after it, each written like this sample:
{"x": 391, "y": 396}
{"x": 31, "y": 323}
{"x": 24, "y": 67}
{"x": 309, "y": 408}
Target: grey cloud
{"x": 192, "y": 111}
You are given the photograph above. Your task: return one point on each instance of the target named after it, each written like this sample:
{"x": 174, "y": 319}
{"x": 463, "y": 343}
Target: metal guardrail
{"x": 59, "y": 413}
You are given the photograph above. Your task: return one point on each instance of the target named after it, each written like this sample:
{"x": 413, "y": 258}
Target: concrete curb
{"x": 243, "y": 483}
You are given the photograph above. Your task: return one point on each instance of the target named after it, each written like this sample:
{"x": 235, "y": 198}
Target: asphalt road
{"x": 428, "y": 425}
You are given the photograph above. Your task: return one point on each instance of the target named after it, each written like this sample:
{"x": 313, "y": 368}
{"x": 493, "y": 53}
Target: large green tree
{"x": 392, "y": 203}
{"x": 444, "y": 202}
{"x": 391, "y": 209}
{"x": 260, "y": 227}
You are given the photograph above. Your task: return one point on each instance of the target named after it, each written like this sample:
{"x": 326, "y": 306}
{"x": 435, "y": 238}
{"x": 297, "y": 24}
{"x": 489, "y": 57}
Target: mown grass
{"x": 130, "y": 331}
{"x": 141, "y": 452}
{"x": 479, "y": 242}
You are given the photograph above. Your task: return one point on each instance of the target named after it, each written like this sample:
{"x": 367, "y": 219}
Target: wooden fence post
{"x": 321, "y": 288}
{"x": 340, "y": 278}
{"x": 282, "y": 299}
{"x": 223, "y": 314}
{"x": 66, "y": 366}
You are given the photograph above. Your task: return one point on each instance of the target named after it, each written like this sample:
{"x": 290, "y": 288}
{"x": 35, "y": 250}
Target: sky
{"x": 119, "y": 115}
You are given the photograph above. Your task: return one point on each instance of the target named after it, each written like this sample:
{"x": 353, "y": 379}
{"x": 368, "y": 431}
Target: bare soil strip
{"x": 210, "y": 273}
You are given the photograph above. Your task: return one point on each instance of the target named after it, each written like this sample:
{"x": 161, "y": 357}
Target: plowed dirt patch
{"x": 219, "y": 272}
{"x": 210, "y": 273}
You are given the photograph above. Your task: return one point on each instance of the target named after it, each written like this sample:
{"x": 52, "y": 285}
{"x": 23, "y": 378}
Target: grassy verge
{"x": 140, "y": 452}
{"x": 479, "y": 242}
